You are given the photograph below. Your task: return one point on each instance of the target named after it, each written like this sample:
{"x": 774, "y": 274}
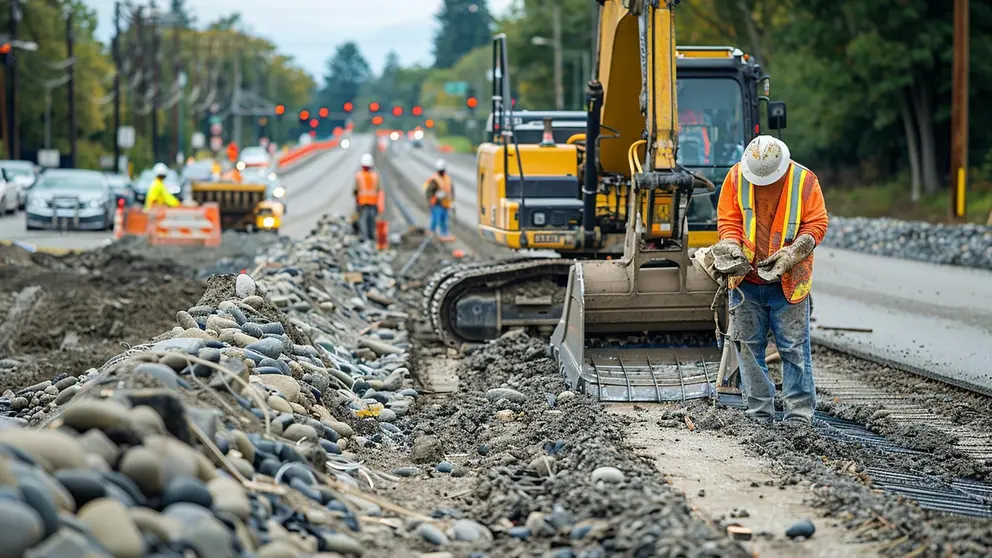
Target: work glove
{"x": 729, "y": 259}
{"x": 782, "y": 261}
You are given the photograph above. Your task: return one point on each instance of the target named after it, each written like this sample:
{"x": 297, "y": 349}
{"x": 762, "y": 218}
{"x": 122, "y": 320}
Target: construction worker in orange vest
{"x": 440, "y": 198}
{"x": 367, "y": 197}
{"x": 771, "y": 216}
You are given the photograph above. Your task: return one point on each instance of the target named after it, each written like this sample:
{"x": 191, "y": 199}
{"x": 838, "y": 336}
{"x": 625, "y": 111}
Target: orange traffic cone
{"x": 119, "y": 220}
{"x": 382, "y": 234}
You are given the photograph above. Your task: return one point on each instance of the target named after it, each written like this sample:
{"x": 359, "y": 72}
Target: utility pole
{"x": 959, "y": 113}
{"x": 141, "y": 90}
{"x": 177, "y": 68}
{"x": 157, "y": 79}
{"x": 15, "y": 144}
{"x": 117, "y": 84}
{"x": 556, "y": 43}
{"x": 72, "y": 87}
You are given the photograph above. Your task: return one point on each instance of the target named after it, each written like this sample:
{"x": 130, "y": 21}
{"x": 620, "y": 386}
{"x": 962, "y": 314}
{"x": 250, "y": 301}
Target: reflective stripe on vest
{"x": 793, "y": 207}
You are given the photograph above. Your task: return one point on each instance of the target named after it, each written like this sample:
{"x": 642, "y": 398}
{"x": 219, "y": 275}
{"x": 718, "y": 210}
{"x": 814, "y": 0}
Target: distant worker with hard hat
{"x": 440, "y": 198}
{"x": 158, "y": 194}
{"x": 771, "y": 216}
{"x": 367, "y": 192}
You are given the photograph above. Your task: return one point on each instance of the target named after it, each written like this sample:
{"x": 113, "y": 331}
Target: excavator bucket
{"x": 636, "y": 333}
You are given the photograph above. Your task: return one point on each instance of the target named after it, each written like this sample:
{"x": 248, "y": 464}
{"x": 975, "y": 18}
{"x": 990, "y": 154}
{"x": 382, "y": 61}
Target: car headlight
{"x": 419, "y": 134}
{"x": 279, "y": 192}
{"x": 345, "y": 144}
{"x": 37, "y": 202}
{"x": 96, "y": 203}
{"x": 268, "y": 222}
{"x": 272, "y": 176}
{"x": 241, "y": 165}
{"x": 539, "y": 219}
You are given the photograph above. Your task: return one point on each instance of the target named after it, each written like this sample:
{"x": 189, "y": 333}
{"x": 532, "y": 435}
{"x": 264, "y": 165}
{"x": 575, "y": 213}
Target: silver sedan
{"x": 71, "y": 199}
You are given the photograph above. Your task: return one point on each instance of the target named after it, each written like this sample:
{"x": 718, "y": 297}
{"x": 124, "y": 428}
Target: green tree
{"x": 182, "y": 13}
{"x": 347, "y": 72}
{"x": 464, "y": 25}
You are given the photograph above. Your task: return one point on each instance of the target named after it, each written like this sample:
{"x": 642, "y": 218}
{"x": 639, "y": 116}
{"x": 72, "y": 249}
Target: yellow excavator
{"x": 633, "y": 319}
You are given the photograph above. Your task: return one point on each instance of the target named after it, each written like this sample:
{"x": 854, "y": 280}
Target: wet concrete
{"x": 930, "y": 319}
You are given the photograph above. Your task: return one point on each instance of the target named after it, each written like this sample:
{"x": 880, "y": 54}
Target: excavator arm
{"x": 639, "y": 328}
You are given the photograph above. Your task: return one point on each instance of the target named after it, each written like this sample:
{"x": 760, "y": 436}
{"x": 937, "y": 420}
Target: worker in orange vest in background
{"x": 232, "y": 152}
{"x": 440, "y": 198}
{"x": 367, "y": 192}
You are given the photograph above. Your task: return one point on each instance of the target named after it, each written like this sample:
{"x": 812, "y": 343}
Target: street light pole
{"x": 117, "y": 85}
{"x": 556, "y": 43}
{"x": 71, "y": 88}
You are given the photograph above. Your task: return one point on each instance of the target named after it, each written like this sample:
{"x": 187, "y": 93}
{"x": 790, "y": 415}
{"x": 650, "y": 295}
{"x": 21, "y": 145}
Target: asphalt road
{"x": 311, "y": 189}
{"x": 323, "y": 186}
{"x": 418, "y": 164}
{"x": 934, "y": 320}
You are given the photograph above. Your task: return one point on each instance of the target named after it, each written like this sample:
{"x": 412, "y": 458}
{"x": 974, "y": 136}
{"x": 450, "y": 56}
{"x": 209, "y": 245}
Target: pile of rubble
{"x": 229, "y": 434}
{"x": 966, "y": 245}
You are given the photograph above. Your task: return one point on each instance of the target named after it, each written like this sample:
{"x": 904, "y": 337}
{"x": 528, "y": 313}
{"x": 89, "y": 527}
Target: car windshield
{"x": 90, "y": 182}
{"x": 18, "y": 170}
{"x": 200, "y": 169}
{"x": 254, "y": 153}
{"x": 117, "y": 181}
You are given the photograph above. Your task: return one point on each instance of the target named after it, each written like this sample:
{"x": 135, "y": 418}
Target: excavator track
{"x": 465, "y": 305}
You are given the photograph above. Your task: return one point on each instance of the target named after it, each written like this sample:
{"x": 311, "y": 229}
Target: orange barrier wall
{"x": 298, "y": 153}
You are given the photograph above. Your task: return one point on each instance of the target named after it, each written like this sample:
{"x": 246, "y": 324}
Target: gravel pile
{"x": 550, "y": 472}
{"x": 229, "y": 435}
{"x": 965, "y": 245}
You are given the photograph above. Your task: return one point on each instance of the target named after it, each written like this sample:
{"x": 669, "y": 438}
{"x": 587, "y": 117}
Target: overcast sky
{"x": 310, "y": 29}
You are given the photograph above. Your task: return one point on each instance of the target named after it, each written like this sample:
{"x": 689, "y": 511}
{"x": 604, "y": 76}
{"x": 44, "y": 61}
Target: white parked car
{"x": 23, "y": 175}
{"x": 8, "y": 195}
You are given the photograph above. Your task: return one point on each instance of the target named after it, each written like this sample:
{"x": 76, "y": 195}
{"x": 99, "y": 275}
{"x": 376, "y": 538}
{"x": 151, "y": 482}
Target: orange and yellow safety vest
{"x": 367, "y": 184}
{"x": 444, "y": 188}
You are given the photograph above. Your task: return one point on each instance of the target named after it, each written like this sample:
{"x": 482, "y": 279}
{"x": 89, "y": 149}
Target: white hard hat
{"x": 766, "y": 159}
{"x": 439, "y": 165}
{"x": 367, "y": 160}
{"x": 160, "y": 169}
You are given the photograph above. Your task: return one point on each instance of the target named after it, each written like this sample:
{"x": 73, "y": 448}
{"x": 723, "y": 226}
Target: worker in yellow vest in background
{"x": 158, "y": 193}
{"x": 367, "y": 198}
{"x": 440, "y": 198}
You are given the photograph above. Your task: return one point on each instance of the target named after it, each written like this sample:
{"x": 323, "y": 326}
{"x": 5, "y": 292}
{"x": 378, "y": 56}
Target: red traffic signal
{"x": 338, "y": 130}
{"x": 280, "y": 110}
{"x": 397, "y": 111}
{"x": 314, "y": 123}
{"x": 429, "y": 123}
{"x": 377, "y": 120}
{"x": 323, "y": 112}
{"x": 472, "y": 102}
{"x": 348, "y": 107}
{"x": 304, "y": 115}
{"x": 373, "y": 107}
{"x": 417, "y": 111}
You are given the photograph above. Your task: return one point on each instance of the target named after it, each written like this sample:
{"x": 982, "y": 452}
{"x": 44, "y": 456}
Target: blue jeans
{"x": 753, "y": 310}
{"x": 439, "y": 220}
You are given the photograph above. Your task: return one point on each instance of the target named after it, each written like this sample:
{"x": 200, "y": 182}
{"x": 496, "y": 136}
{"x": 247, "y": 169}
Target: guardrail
{"x": 302, "y": 151}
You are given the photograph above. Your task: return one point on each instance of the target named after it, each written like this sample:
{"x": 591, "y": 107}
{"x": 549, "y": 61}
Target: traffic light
{"x": 314, "y": 123}
{"x": 323, "y": 112}
{"x": 397, "y": 111}
{"x": 417, "y": 111}
{"x": 376, "y": 120}
{"x": 304, "y": 115}
{"x": 471, "y": 103}
{"x": 373, "y": 107}
{"x": 429, "y": 123}
{"x": 348, "y": 107}
{"x": 280, "y": 110}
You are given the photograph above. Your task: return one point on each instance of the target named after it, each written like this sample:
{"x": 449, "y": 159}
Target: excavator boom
{"x": 640, "y": 328}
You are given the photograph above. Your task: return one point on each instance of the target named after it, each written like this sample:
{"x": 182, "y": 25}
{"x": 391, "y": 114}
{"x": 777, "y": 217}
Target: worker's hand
{"x": 729, "y": 259}
{"x": 782, "y": 261}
